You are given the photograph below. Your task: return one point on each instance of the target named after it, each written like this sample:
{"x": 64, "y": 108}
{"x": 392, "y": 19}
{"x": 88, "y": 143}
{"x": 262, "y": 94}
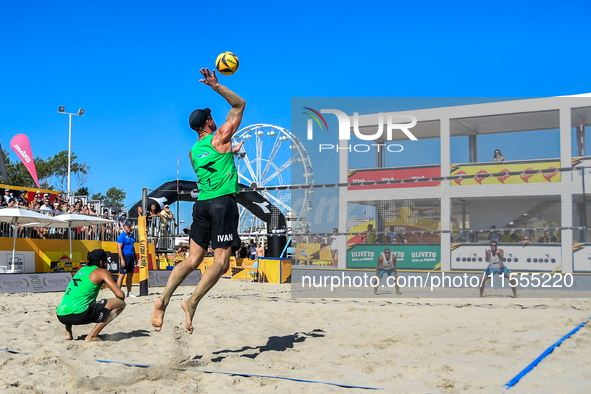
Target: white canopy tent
{"x": 72, "y": 220}
{"x": 16, "y": 216}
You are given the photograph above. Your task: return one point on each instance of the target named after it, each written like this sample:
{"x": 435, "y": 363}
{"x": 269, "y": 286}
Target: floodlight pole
{"x": 69, "y": 161}
{"x": 61, "y": 110}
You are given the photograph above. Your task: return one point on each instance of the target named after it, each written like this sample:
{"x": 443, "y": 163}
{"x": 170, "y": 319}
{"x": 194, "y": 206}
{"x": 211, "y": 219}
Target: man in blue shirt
{"x": 125, "y": 243}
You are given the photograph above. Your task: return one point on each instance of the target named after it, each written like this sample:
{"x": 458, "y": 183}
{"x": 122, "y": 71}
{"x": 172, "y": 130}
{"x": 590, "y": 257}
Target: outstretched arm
{"x": 234, "y": 118}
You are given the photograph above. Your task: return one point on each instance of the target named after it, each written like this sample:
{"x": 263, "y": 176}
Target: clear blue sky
{"x": 134, "y": 66}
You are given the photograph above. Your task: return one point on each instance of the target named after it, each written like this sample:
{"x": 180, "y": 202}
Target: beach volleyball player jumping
{"x": 215, "y": 213}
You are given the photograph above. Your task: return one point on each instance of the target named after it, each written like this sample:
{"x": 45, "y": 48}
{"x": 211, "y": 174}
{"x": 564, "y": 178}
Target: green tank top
{"x": 80, "y": 293}
{"x": 215, "y": 171}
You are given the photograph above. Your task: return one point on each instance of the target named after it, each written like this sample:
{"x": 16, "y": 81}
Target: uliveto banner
{"x": 20, "y": 144}
{"x": 407, "y": 256}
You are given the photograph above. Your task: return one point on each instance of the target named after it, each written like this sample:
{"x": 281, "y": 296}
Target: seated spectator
{"x": 515, "y": 237}
{"x": 545, "y": 240}
{"x": 553, "y": 240}
{"x": 23, "y": 197}
{"x": 506, "y": 237}
{"x": 493, "y": 235}
{"x": 541, "y": 240}
{"x": 7, "y": 196}
{"x": 525, "y": 240}
{"x": 37, "y": 199}
{"x": 498, "y": 156}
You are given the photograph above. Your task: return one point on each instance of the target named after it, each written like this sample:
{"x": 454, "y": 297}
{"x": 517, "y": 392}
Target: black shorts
{"x": 129, "y": 265}
{"x": 216, "y": 221}
{"x": 97, "y": 312}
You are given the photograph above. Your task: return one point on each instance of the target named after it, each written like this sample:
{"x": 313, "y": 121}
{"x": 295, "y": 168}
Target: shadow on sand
{"x": 120, "y": 336}
{"x": 274, "y": 343}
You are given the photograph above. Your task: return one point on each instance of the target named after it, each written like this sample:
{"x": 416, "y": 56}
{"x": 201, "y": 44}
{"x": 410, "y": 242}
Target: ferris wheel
{"x": 269, "y": 157}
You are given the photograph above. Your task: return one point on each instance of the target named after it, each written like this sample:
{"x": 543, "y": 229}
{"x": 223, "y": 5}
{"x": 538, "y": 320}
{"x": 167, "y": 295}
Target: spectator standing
{"x": 371, "y": 236}
{"x": 260, "y": 251}
{"x": 153, "y": 224}
{"x": 243, "y": 251}
{"x": 166, "y": 215}
{"x": 253, "y": 250}
{"x": 334, "y": 247}
{"x": 498, "y": 156}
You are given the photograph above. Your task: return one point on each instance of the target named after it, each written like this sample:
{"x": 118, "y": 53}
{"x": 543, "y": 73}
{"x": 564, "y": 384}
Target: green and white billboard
{"x": 407, "y": 256}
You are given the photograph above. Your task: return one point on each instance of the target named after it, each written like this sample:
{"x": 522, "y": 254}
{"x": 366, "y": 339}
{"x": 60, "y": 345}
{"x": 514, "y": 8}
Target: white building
{"x": 494, "y": 200}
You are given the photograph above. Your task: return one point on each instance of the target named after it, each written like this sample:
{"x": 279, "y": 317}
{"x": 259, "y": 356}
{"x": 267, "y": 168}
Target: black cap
{"x": 198, "y": 117}
{"x": 128, "y": 224}
{"x": 96, "y": 256}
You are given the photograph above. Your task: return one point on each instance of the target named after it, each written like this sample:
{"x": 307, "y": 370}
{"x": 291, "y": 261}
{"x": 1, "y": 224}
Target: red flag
{"x": 20, "y": 144}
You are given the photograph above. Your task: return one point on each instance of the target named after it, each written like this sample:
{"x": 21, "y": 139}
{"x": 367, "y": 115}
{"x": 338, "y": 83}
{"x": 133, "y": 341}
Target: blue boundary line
{"x": 248, "y": 375}
{"x": 531, "y": 366}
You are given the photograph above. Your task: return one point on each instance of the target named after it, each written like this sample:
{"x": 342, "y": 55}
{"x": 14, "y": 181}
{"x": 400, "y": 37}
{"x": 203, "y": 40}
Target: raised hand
{"x": 210, "y": 78}
{"x": 236, "y": 149}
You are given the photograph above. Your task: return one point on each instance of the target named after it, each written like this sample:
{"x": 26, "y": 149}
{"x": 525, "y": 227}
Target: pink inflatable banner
{"x": 20, "y": 144}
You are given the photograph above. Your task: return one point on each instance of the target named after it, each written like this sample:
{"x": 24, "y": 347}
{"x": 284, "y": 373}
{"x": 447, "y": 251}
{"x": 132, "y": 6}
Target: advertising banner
{"x": 159, "y": 278}
{"x": 581, "y": 258}
{"x": 413, "y": 174}
{"x": 143, "y": 256}
{"x": 530, "y": 258}
{"x": 313, "y": 251}
{"x": 34, "y": 283}
{"x": 483, "y": 172}
{"x": 24, "y": 262}
{"x": 407, "y": 256}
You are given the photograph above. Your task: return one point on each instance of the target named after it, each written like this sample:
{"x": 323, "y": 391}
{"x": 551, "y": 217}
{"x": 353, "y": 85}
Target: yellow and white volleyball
{"x": 227, "y": 63}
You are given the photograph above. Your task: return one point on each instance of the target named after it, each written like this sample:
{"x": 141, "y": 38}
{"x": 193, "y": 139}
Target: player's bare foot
{"x": 158, "y": 314}
{"x": 189, "y": 312}
{"x": 69, "y": 335}
{"x": 92, "y": 339}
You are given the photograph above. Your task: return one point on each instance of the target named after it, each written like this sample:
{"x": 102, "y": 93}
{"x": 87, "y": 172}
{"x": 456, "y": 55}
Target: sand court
{"x": 399, "y": 345}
